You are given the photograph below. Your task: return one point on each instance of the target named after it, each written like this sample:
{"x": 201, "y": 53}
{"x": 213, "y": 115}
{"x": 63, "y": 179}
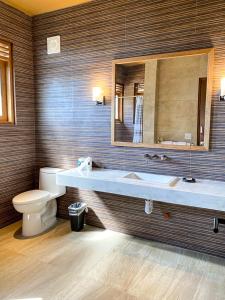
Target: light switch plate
{"x": 53, "y": 44}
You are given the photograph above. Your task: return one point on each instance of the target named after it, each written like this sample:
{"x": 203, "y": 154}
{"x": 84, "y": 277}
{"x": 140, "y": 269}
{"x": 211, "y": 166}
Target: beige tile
{"x": 103, "y": 265}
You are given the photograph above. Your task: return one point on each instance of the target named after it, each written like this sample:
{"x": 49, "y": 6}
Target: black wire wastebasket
{"x": 77, "y": 213}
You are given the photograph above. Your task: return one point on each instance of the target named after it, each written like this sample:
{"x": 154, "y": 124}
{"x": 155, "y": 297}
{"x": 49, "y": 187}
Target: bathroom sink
{"x": 152, "y": 178}
{"x": 206, "y": 194}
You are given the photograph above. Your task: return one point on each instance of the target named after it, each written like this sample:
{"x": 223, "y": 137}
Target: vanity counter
{"x": 203, "y": 194}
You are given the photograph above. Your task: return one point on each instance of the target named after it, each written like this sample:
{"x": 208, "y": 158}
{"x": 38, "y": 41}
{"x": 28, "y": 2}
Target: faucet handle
{"x": 151, "y": 157}
{"x": 164, "y": 157}
{"x": 156, "y": 157}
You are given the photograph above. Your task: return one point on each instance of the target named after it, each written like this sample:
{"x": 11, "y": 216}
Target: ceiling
{"x": 36, "y": 7}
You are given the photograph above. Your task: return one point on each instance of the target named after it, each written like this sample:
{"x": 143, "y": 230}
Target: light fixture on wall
{"x": 222, "y": 89}
{"x": 97, "y": 96}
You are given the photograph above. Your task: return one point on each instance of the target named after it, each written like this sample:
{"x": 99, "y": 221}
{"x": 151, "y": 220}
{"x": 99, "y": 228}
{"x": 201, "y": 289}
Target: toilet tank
{"x": 47, "y": 181}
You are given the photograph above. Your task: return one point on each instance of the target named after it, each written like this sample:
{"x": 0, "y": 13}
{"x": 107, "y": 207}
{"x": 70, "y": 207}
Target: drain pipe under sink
{"x": 148, "y": 206}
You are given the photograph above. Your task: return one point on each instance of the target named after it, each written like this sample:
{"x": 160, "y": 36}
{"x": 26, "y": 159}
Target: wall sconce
{"x": 97, "y": 96}
{"x": 222, "y": 89}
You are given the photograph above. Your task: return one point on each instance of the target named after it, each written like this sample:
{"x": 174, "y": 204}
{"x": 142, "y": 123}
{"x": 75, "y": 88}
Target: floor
{"x": 104, "y": 265}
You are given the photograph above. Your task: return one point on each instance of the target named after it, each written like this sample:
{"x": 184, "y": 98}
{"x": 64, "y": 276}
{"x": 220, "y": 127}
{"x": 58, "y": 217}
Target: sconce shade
{"x": 97, "y": 95}
{"x": 222, "y": 89}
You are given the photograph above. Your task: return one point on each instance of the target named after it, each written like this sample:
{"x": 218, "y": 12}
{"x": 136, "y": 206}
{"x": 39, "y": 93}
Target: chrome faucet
{"x": 162, "y": 157}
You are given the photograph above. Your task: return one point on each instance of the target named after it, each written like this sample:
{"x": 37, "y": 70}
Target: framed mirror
{"x": 163, "y": 101}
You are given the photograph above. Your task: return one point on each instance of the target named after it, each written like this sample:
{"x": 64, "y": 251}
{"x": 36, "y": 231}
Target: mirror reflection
{"x": 162, "y": 101}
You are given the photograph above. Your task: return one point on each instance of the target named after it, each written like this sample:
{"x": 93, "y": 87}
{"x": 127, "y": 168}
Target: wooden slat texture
{"x": 17, "y": 143}
{"x": 187, "y": 227}
{"x": 70, "y": 125}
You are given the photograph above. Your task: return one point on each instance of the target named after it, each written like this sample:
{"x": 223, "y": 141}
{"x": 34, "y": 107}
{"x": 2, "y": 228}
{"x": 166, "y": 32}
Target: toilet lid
{"x": 31, "y": 196}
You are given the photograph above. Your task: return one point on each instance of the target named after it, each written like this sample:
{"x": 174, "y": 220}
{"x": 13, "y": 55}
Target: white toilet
{"x": 39, "y": 206}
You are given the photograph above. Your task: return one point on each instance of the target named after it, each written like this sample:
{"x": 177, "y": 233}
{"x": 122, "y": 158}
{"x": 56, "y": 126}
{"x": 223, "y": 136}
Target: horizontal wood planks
{"x": 17, "y": 143}
{"x": 70, "y": 125}
{"x": 186, "y": 226}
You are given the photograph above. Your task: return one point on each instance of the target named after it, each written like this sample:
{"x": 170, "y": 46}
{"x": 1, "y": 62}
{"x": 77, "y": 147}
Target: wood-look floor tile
{"x": 97, "y": 264}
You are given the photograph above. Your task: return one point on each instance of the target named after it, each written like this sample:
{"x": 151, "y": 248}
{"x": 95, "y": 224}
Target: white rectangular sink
{"x": 153, "y": 178}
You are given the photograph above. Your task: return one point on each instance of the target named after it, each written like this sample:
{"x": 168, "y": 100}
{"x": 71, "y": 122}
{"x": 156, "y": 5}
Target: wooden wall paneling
{"x": 70, "y": 125}
{"x": 17, "y": 143}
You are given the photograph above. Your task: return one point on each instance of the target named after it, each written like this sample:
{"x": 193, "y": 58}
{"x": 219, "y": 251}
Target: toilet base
{"x": 36, "y": 223}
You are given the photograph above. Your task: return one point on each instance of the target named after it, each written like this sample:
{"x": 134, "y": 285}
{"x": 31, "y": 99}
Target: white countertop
{"x": 207, "y": 194}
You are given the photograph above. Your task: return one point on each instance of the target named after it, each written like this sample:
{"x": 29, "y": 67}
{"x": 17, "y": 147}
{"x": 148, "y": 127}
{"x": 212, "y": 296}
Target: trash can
{"x": 77, "y": 212}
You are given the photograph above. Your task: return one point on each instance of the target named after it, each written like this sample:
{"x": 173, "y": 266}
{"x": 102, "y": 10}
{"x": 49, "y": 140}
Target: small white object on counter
{"x": 85, "y": 164}
{"x": 207, "y": 194}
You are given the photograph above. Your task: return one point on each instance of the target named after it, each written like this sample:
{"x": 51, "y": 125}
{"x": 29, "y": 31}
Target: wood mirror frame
{"x": 144, "y": 59}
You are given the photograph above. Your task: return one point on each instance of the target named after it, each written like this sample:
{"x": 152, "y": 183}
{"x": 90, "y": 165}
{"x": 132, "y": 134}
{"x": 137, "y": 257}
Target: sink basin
{"x": 132, "y": 176}
{"x": 153, "y": 178}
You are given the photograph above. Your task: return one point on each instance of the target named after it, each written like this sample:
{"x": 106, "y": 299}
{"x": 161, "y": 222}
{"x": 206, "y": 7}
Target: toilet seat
{"x": 31, "y": 196}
